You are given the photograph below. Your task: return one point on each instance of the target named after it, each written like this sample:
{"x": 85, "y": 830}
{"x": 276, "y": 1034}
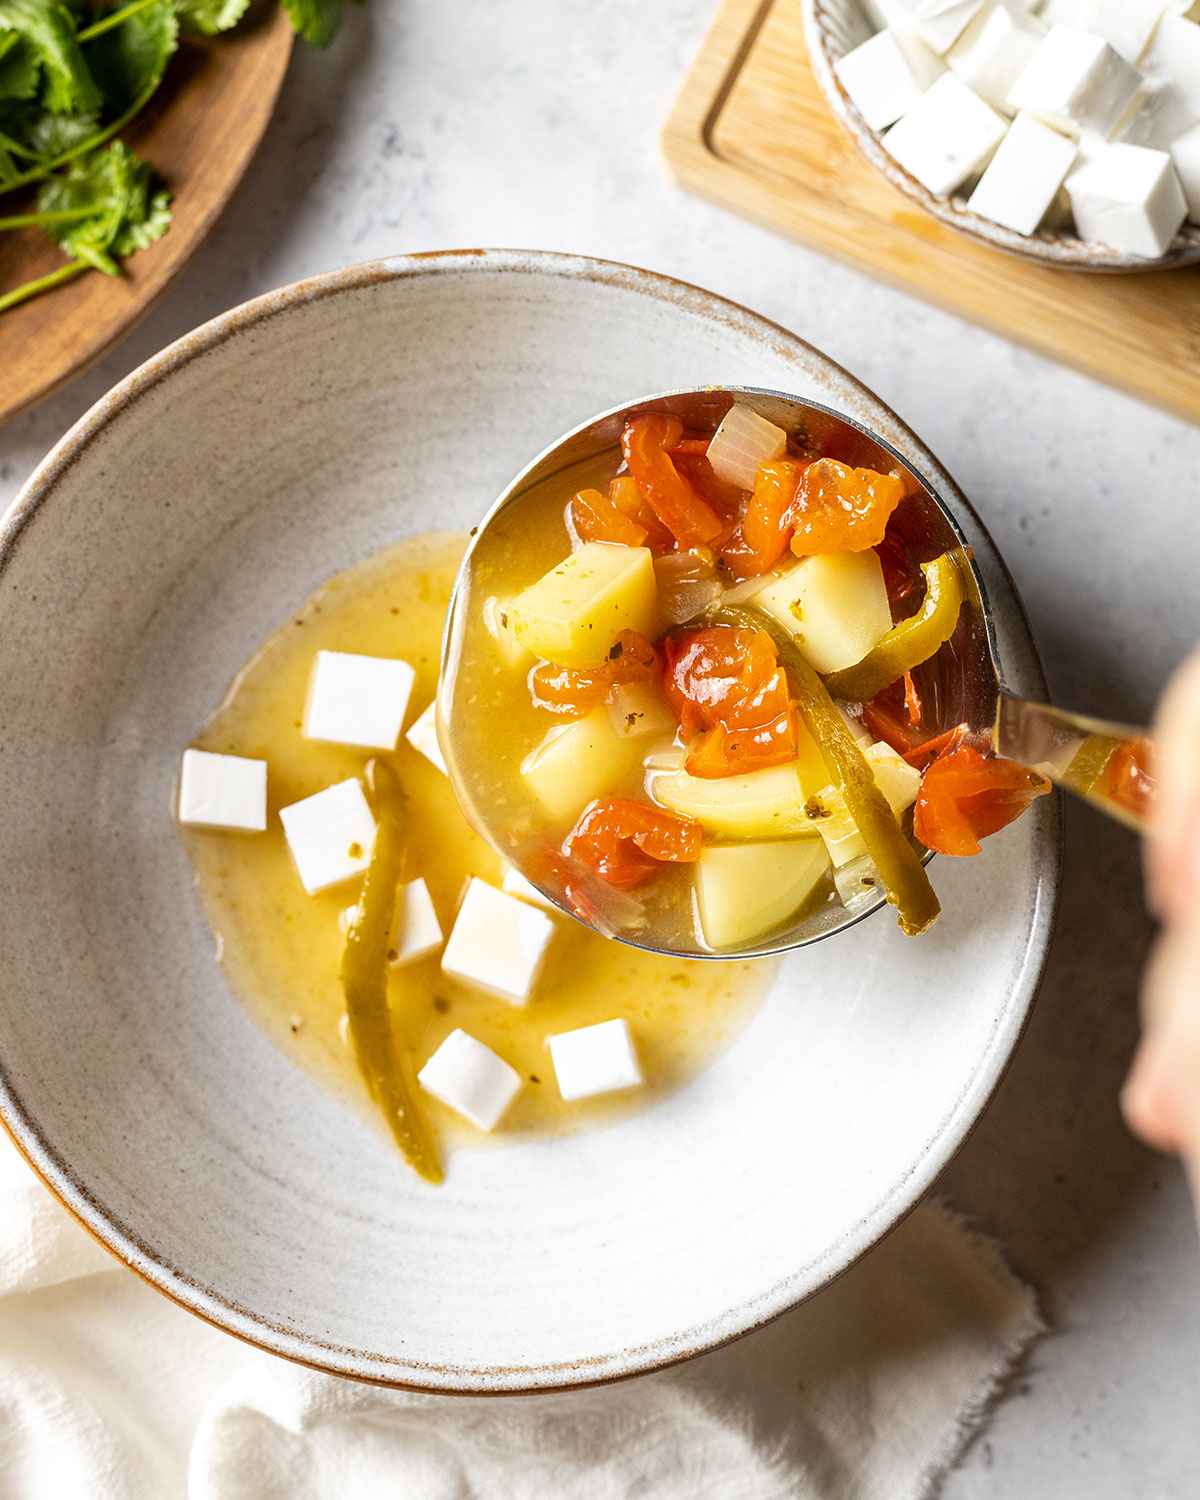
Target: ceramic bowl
{"x": 835, "y": 27}
{"x": 171, "y": 530}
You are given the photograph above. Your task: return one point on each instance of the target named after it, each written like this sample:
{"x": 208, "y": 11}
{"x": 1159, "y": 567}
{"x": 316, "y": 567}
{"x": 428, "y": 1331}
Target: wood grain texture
{"x": 200, "y": 131}
{"x": 752, "y": 130}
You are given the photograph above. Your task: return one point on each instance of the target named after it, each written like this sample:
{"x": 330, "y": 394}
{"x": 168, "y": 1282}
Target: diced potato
{"x": 897, "y": 780}
{"x": 573, "y": 615}
{"x": 497, "y": 617}
{"x": 578, "y": 762}
{"x": 760, "y": 805}
{"x": 638, "y": 708}
{"x": 746, "y": 890}
{"x": 835, "y": 605}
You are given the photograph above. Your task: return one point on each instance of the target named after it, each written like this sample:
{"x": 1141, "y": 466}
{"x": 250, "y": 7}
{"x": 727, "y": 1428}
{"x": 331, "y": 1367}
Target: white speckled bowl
{"x": 835, "y": 27}
{"x": 186, "y": 515}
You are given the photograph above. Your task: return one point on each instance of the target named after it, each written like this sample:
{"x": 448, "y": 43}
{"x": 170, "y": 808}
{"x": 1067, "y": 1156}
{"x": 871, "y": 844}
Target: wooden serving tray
{"x": 751, "y": 129}
{"x": 200, "y": 131}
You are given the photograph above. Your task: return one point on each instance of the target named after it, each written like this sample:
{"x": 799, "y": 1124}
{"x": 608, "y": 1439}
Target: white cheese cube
{"x": 515, "y": 884}
{"x": 992, "y": 53}
{"x": 357, "y": 700}
{"x": 1024, "y": 175}
{"x": 1185, "y": 153}
{"x": 1171, "y": 104}
{"x": 471, "y": 1079}
{"x": 422, "y": 736}
{"x": 223, "y": 791}
{"x": 940, "y": 23}
{"x": 1126, "y": 25}
{"x": 498, "y": 943}
{"x": 594, "y": 1060}
{"x": 329, "y": 835}
{"x": 1076, "y": 83}
{"x": 949, "y": 135}
{"x": 881, "y": 79}
{"x": 1128, "y": 197}
{"x": 415, "y": 930}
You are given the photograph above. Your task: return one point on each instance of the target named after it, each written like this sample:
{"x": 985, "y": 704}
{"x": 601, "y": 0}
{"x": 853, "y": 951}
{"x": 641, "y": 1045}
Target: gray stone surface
{"x": 441, "y": 125}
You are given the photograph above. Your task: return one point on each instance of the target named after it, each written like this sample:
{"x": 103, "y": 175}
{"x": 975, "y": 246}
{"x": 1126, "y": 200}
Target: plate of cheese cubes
{"x": 264, "y": 982}
{"x": 1066, "y": 131}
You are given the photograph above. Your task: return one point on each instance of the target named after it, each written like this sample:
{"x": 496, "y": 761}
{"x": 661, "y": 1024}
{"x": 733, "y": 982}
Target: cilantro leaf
{"x": 211, "y": 16}
{"x": 19, "y": 71}
{"x": 119, "y": 206}
{"x": 128, "y": 61}
{"x": 52, "y": 135}
{"x": 317, "y": 21}
{"x": 48, "y": 28}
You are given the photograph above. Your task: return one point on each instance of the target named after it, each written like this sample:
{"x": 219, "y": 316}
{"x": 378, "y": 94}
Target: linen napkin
{"x": 868, "y": 1392}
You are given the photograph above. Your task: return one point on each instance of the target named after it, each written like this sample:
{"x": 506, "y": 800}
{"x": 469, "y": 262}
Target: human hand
{"x": 1162, "y": 1094}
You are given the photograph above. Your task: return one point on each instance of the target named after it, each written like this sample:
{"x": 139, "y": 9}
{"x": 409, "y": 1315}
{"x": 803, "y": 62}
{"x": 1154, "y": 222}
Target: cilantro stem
{"x": 42, "y": 284}
{"x": 8, "y": 144}
{"x": 106, "y": 23}
{"x": 52, "y": 216}
{"x": 37, "y": 174}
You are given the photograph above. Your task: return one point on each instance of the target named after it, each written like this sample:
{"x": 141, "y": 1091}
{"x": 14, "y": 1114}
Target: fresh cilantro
{"x": 128, "y": 62}
{"x": 317, "y": 21}
{"x": 116, "y": 205}
{"x": 47, "y": 27}
{"x": 211, "y": 16}
{"x": 19, "y": 70}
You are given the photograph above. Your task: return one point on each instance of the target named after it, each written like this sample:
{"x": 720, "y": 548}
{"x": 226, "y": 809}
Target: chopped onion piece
{"x": 687, "y": 583}
{"x": 747, "y": 589}
{"x": 743, "y": 442}
{"x": 688, "y": 600}
{"x": 666, "y": 757}
{"x": 858, "y": 883}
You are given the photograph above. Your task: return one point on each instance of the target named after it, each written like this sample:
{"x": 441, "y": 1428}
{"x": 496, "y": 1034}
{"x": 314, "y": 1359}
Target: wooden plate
{"x": 200, "y": 131}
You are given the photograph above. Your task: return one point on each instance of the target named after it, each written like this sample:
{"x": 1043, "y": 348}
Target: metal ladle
{"x": 965, "y": 683}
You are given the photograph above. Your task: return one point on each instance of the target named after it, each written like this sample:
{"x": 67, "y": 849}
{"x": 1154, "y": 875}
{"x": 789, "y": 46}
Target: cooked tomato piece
{"x": 766, "y": 526}
{"x": 646, "y": 443}
{"x": 966, "y": 795}
{"x": 624, "y": 493}
{"x": 885, "y": 723}
{"x": 729, "y": 751}
{"x": 691, "y": 445}
{"x": 1129, "y": 779}
{"x": 626, "y": 841}
{"x": 709, "y": 669}
{"x": 574, "y": 692}
{"x": 912, "y": 701}
{"x": 594, "y": 517}
{"x": 840, "y": 509}
{"x": 902, "y": 576}
{"x": 725, "y": 498}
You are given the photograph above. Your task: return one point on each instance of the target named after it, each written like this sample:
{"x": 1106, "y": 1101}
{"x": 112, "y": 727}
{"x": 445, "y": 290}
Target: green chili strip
{"x": 1089, "y": 763}
{"x": 910, "y": 642}
{"x": 900, "y": 869}
{"x": 386, "y": 1067}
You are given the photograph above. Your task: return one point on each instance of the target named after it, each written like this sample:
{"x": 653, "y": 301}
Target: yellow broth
{"x": 281, "y": 949}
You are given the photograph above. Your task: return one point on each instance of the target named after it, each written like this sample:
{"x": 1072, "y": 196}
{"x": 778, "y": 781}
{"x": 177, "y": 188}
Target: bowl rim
{"x": 219, "y": 1309}
{"x": 1047, "y": 247}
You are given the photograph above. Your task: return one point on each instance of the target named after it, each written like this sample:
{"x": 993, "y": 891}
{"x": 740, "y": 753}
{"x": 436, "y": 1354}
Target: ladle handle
{"x": 1109, "y": 765}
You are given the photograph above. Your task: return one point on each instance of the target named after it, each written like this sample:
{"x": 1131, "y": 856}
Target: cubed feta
{"x": 1024, "y": 176}
{"x": 948, "y": 136}
{"x": 940, "y": 23}
{"x": 422, "y": 735}
{"x": 1128, "y": 197}
{"x": 1171, "y": 105}
{"x": 1126, "y": 25}
{"x": 357, "y": 700}
{"x": 471, "y": 1079}
{"x": 498, "y": 943}
{"x": 415, "y": 930}
{"x": 1185, "y": 153}
{"x": 882, "y": 80}
{"x": 1076, "y": 83}
{"x": 515, "y": 884}
{"x": 593, "y": 1060}
{"x": 223, "y": 791}
{"x": 992, "y": 53}
{"x": 329, "y": 835}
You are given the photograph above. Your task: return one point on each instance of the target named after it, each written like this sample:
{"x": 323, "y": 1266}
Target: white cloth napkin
{"x": 110, "y": 1392}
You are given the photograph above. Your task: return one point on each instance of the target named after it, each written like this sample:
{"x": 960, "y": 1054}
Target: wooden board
{"x": 200, "y": 131}
{"x": 751, "y": 129}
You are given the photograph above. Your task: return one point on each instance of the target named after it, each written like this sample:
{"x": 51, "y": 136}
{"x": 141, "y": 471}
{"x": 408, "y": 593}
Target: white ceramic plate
{"x": 171, "y": 531}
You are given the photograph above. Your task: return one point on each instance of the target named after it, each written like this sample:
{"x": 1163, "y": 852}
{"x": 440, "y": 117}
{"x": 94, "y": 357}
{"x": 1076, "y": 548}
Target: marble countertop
{"x": 436, "y": 126}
